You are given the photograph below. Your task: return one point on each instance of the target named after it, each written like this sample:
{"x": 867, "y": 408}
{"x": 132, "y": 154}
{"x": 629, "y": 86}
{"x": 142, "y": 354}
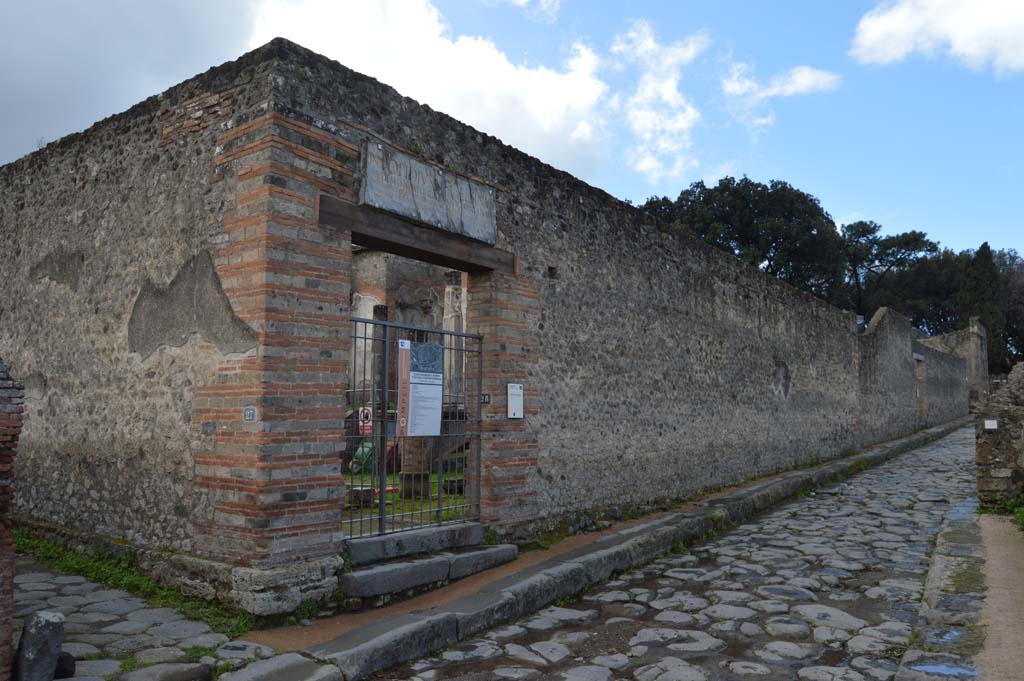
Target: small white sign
{"x": 515, "y": 400}
{"x": 249, "y": 414}
{"x": 991, "y": 424}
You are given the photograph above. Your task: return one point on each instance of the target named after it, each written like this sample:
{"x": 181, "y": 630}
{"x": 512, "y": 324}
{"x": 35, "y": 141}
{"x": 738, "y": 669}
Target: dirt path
{"x": 1003, "y": 656}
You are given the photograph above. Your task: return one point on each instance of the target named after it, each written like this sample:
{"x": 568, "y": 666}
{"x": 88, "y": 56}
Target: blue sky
{"x": 906, "y": 112}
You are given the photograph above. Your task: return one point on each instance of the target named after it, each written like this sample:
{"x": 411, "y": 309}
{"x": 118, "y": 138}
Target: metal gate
{"x": 396, "y": 480}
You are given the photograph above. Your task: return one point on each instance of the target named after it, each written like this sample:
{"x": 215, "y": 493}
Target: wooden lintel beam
{"x": 381, "y": 231}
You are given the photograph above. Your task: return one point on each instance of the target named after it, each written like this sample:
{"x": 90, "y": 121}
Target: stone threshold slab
{"x": 533, "y": 582}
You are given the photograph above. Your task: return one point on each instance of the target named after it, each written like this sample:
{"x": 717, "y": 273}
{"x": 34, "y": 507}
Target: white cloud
{"x": 554, "y": 114}
{"x": 539, "y": 10}
{"x": 659, "y": 115}
{"x": 977, "y": 33}
{"x": 747, "y": 98}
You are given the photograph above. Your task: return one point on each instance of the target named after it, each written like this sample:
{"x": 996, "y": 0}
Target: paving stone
{"x": 873, "y": 668}
{"x": 117, "y": 606}
{"x": 829, "y": 674}
{"x": 614, "y": 662}
{"x": 79, "y": 651}
{"x": 831, "y": 635}
{"x": 125, "y": 627}
{"x": 524, "y": 654}
{"x": 204, "y": 641}
{"x": 158, "y": 655}
{"x": 27, "y": 587}
{"x": 824, "y": 615}
{"x": 696, "y": 641}
{"x": 675, "y": 617}
{"x": 670, "y": 669}
{"x": 179, "y": 630}
{"x": 68, "y": 579}
{"x": 769, "y": 606}
{"x": 776, "y": 651}
{"x": 745, "y": 668}
{"x": 552, "y": 651}
{"x": 91, "y": 617}
{"x": 95, "y": 639}
{"x": 100, "y": 668}
{"x": 723, "y": 611}
{"x": 891, "y": 632}
{"x": 587, "y": 673}
{"x": 33, "y": 577}
{"x": 131, "y": 644}
{"x": 867, "y": 644}
{"x": 170, "y": 671}
{"x": 155, "y": 615}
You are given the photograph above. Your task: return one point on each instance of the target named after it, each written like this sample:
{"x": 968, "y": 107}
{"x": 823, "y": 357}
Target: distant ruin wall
{"x": 971, "y": 344}
{"x": 1000, "y": 442}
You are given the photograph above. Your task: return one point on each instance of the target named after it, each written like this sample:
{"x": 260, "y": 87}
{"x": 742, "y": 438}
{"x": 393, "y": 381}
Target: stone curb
{"x": 954, "y": 594}
{"x": 396, "y": 640}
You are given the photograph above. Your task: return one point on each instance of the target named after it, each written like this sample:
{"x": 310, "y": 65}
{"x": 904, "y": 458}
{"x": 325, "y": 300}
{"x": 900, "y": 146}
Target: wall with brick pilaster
{"x": 654, "y": 366}
{"x": 187, "y": 286}
{"x": 12, "y": 409}
{"x": 505, "y": 309}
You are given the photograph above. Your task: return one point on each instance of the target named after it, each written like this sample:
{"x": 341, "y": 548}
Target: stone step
{"x": 397, "y": 577}
{"x": 376, "y": 549}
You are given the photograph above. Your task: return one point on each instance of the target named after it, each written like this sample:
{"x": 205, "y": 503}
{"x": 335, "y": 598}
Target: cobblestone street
{"x": 105, "y": 627}
{"x": 825, "y": 588}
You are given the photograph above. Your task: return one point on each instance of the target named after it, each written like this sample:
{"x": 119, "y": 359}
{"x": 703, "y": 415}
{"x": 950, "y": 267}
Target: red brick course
{"x": 11, "y": 414}
{"x": 505, "y": 309}
{"x": 276, "y": 482}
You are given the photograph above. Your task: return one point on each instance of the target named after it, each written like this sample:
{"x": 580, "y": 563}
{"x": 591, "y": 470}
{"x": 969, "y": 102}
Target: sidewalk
{"x": 367, "y": 642}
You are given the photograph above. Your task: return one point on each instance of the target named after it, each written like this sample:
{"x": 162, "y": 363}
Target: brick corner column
{"x": 505, "y": 310}
{"x": 275, "y": 481}
{"x": 12, "y": 407}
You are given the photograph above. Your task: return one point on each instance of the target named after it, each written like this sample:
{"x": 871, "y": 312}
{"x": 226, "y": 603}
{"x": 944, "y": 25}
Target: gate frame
{"x": 473, "y": 511}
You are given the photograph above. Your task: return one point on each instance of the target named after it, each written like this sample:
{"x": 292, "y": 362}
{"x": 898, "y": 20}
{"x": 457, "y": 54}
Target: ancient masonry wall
{"x": 971, "y": 344}
{"x": 11, "y": 413}
{"x": 186, "y": 385}
{"x": 1000, "y": 442}
{"x": 657, "y": 366}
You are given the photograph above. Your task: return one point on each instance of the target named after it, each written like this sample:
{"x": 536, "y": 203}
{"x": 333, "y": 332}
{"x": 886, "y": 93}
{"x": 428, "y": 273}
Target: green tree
{"x": 872, "y": 258}
{"x": 774, "y": 227}
{"x": 927, "y": 291}
{"x": 1011, "y": 269}
{"x": 983, "y": 295}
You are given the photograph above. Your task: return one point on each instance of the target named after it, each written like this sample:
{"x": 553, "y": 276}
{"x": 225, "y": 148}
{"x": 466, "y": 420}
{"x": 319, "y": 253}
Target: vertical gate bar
{"x": 479, "y": 421}
{"x": 440, "y": 450}
{"x": 382, "y": 451}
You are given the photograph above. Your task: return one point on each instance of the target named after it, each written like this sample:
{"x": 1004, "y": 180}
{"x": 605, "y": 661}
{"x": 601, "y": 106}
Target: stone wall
{"x": 189, "y": 326}
{"x": 654, "y": 365}
{"x": 971, "y": 344}
{"x": 114, "y": 316}
{"x": 1000, "y": 442}
{"x": 11, "y": 413}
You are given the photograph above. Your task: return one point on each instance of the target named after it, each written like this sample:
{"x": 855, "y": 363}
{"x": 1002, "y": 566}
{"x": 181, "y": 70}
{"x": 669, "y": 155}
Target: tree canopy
{"x": 786, "y": 233}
